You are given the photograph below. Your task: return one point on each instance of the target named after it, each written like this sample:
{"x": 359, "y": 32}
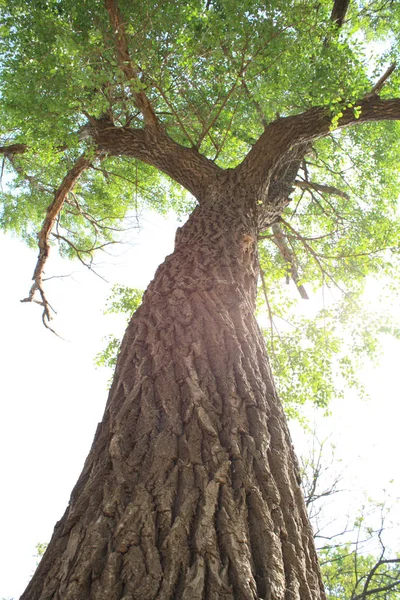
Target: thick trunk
{"x": 190, "y": 490}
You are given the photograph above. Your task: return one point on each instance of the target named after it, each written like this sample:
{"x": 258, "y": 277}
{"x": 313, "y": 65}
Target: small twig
{"x": 215, "y": 118}
{"x": 57, "y": 277}
{"x": 175, "y": 113}
{"x": 227, "y": 131}
{"x": 33, "y": 181}
{"x": 384, "y": 588}
{"x": 257, "y": 106}
{"x": 82, "y": 250}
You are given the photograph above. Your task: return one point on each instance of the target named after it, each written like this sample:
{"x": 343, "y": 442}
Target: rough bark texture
{"x": 190, "y": 490}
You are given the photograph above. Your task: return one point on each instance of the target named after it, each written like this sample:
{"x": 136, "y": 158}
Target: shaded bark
{"x": 190, "y": 490}
{"x": 154, "y": 147}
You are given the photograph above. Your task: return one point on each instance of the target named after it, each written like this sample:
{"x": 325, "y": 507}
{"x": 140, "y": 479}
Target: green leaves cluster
{"x": 317, "y": 356}
{"x": 123, "y": 300}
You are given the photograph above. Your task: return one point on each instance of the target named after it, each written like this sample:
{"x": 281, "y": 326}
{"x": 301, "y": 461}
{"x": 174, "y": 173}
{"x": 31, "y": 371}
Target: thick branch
{"x": 339, "y": 11}
{"x": 284, "y": 133}
{"x": 13, "y": 149}
{"x": 185, "y": 165}
{"x": 53, "y": 211}
{"x": 152, "y": 146}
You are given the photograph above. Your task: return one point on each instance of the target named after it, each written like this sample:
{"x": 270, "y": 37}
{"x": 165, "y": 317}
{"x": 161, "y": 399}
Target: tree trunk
{"x": 190, "y": 490}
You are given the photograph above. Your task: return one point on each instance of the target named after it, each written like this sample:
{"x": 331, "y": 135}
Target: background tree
{"x": 191, "y": 487}
{"x": 356, "y": 560}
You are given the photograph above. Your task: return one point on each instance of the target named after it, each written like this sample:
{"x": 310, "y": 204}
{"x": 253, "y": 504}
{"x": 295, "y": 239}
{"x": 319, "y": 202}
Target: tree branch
{"x": 185, "y": 165}
{"x": 381, "y": 82}
{"x": 311, "y": 251}
{"x": 289, "y": 256}
{"x": 324, "y": 189}
{"x": 126, "y": 65}
{"x": 13, "y": 149}
{"x": 384, "y": 588}
{"x": 283, "y": 134}
{"x": 53, "y": 211}
{"x": 33, "y": 181}
{"x": 339, "y": 11}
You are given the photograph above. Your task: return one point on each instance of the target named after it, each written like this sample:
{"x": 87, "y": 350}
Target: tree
{"x": 356, "y": 562}
{"x": 349, "y": 574}
{"x": 191, "y": 488}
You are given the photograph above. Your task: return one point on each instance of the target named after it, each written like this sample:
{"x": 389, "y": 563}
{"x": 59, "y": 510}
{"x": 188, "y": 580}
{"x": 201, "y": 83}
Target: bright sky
{"x": 52, "y": 397}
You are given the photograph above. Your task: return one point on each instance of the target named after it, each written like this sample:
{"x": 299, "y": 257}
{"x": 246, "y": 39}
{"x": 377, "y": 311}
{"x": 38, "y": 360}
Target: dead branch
{"x": 324, "y": 189}
{"x": 289, "y": 256}
{"x": 53, "y": 212}
{"x": 315, "y": 256}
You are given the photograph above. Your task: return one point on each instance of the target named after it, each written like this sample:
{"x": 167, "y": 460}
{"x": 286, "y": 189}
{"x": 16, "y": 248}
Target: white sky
{"x": 52, "y": 397}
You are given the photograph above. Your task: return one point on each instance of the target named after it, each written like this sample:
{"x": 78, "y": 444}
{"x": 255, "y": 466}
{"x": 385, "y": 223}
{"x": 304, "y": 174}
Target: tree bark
{"x": 190, "y": 490}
